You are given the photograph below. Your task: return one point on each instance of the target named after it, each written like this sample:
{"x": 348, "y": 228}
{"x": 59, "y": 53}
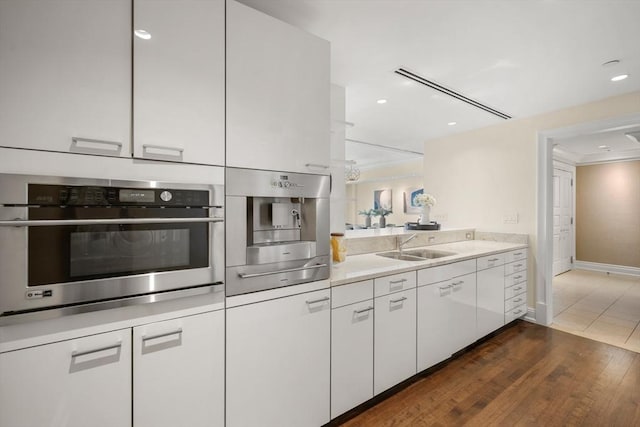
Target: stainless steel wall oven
{"x": 69, "y": 242}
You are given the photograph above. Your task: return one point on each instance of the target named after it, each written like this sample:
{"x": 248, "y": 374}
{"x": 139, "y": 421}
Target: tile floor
{"x": 600, "y": 306}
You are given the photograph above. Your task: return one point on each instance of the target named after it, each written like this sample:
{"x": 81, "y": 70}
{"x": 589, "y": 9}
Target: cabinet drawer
{"x": 395, "y": 283}
{"x": 351, "y": 293}
{"x": 515, "y": 301}
{"x": 490, "y": 261}
{"x": 516, "y": 255}
{"x": 515, "y": 267}
{"x": 515, "y": 313}
{"x": 445, "y": 272}
{"x": 514, "y": 279}
{"x": 512, "y": 291}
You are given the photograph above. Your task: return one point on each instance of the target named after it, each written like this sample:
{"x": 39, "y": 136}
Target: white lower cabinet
{"x": 79, "y": 382}
{"x": 446, "y": 319}
{"x": 395, "y": 339}
{"x": 351, "y": 356}
{"x": 178, "y": 372}
{"x": 278, "y": 362}
{"x": 491, "y": 295}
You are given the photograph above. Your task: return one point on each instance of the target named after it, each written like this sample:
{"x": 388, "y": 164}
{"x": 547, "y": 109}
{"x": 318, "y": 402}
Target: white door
{"x": 278, "y": 362}
{"x": 395, "y": 339}
{"x": 351, "y": 356}
{"x": 178, "y": 81}
{"x": 74, "y": 383}
{"x": 562, "y": 220}
{"x": 65, "y": 75}
{"x": 178, "y": 372}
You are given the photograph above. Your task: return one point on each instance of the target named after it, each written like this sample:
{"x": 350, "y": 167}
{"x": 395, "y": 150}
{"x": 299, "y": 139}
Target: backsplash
{"x": 503, "y": 237}
{"x": 368, "y": 244}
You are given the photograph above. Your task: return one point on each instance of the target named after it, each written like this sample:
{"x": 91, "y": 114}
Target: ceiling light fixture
{"x": 619, "y": 77}
{"x": 452, "y": 123}
{"x": 603, "y": 147}
{"x": 381, "y": 101}
{"x": 353, "y": 173}
{"x": 142, "y": 34}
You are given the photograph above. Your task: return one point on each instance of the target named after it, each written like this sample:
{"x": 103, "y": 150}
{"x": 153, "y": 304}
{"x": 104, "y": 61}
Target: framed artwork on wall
{"x": 409, "y": 195}
{"x": 382, "y": 199}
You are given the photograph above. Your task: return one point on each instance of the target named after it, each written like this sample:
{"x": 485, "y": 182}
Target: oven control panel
{"x": 68, "y": 195}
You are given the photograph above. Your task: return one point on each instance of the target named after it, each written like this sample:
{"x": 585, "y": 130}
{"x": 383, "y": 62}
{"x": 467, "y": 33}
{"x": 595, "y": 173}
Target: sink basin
{"x": 403, "y": 257}
{"x": 427, "y": 253}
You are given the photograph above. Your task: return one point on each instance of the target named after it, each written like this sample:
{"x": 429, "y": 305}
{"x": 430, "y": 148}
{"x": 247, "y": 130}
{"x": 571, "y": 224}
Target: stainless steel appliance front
{"x": 277, "y": 229}
{"x": 66, "y": 242}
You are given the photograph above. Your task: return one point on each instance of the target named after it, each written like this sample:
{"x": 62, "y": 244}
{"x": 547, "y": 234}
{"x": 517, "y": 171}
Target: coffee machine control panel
{"x": 283, "y": 182}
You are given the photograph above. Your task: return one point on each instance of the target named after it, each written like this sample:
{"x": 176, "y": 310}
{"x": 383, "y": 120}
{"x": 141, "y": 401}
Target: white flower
{"x": 424, "y": 199}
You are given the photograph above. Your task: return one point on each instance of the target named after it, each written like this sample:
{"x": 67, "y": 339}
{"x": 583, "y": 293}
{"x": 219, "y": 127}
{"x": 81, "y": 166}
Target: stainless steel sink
{"x": 427, "y": 253}
{"x": 402, "y": 257}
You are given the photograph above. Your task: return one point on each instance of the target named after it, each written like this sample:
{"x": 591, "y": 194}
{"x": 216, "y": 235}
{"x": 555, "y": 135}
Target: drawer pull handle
{"x": 493, "y": 259}
{"x": 443, "y": 289}
{"x": 458, "y": 283}
{"x": 316, "y": 165}
{"x": 96, "y": 350}
{"x": 116, "y": 144}
{"x": 517, "y": 312}
{"x": 364, "y": 310}
{"x": 517, "y": 254}
{"x": 315, "y": 301}
{"x": 517, "y": 277}
{"x": 148, "y": 148}
{"x": 517, "y": 266}
{"x": 517, "y": 300}
{"x": 517, "y": 289}
{"x": 162, "y": 335}
{"x": 395, "y": 301}
{"x": 397, "y": 282}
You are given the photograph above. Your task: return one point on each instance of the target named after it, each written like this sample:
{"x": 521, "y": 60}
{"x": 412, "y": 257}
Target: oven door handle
{"x": 116, "y": 221}
{"x": 288, "y": 270}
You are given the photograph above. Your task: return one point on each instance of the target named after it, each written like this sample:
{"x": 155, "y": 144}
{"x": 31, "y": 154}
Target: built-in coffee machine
{"x": 277, "y": 229}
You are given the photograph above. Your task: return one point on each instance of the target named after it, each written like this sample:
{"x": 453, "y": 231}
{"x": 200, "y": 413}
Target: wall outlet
{"x": 441, "y": 217}
{"x": 511, "y": 218}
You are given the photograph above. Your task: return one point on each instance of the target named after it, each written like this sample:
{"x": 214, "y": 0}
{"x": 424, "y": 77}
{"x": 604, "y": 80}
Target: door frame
{"x": 544, "y": 251}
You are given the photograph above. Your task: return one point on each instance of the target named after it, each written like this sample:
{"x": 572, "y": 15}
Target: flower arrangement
{"x": 382, "y": 212}
{"x": 424, "y": 199}
{"x": 368, "y": 213}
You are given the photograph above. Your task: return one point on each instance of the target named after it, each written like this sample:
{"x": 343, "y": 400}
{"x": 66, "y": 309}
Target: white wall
{"x": 480, "y": 176}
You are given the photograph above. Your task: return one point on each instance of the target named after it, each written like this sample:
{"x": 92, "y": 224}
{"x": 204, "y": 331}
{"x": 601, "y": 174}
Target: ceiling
{"x": 604, "y": 145}
{"x": 519, "y": 57}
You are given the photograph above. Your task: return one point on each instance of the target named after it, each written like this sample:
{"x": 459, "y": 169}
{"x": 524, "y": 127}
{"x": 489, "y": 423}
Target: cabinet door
{"x": 433, "y": 335}
{"x": 351, "y": 356}
{"x": 178, "y": 81}
{"x": 178, "y": 372}
{"x": 68, "y": 383}
{"x": 490, "y": 310}
{"x": 277, "y": 94}
{"x": 278, "y": 355}
{"x": 395, "y": 339}
{"x": 462, "y": 317}
{"x": 65, "y": 74}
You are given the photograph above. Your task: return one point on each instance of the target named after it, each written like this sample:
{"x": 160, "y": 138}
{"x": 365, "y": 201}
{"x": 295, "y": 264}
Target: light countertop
{"x": 369, "y": 266}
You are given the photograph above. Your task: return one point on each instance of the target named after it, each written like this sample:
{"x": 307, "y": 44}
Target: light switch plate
{"x": 511, "y": 218}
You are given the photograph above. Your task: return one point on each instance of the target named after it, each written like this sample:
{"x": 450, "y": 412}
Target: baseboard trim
{"x": 531, "y": 315}
{"x": 607, "y": 268}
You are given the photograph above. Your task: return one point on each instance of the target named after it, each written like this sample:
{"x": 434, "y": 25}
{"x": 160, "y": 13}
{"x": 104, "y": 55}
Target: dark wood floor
{"x": 528, "y": 375}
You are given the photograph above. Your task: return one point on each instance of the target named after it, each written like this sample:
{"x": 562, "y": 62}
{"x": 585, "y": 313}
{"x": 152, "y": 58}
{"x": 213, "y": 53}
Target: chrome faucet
{"x": 401, "y": 243}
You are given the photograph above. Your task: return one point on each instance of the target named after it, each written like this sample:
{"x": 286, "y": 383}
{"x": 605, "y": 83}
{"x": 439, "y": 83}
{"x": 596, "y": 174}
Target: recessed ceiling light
{"x": 603, "y": 147}
{"x": 144, "y": 35}
{"x": 620, "y": 77}
{"x": 452, "y": 123}
{"x": 381, "y": 101}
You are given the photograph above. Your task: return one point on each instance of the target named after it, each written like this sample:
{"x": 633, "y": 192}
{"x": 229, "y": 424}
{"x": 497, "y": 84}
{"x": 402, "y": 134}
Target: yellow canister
{"x": 338, "y": 247}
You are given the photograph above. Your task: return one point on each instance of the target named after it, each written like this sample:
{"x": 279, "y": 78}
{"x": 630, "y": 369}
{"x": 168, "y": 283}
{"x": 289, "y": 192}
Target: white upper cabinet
{"x": 278, "y": 94}
{"x": 178, "y": 80}
{"x": 65, "y": 75}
